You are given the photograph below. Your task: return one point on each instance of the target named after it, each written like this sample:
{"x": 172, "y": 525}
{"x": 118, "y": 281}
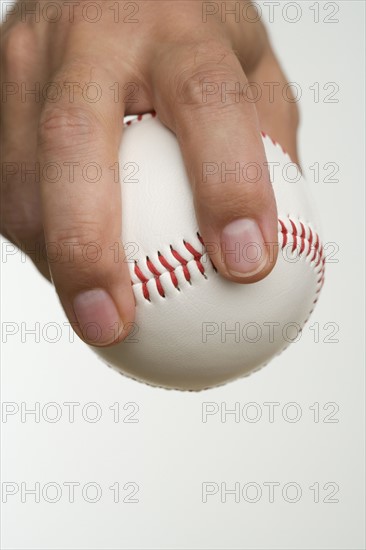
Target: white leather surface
{"x": 170, "y": 346}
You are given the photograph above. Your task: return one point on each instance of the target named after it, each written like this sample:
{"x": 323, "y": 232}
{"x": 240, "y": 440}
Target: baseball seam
{"x": 297, "y": 238}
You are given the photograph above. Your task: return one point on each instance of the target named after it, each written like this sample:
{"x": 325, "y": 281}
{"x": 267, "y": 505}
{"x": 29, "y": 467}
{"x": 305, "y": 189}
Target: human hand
{"x": 170, "y": 61}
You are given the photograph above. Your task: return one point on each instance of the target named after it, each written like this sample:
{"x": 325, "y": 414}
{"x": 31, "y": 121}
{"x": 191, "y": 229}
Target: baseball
{"x": 193, "y": 328}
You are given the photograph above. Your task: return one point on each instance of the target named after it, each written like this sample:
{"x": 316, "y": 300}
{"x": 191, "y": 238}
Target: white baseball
{"x": 194, "y": 329}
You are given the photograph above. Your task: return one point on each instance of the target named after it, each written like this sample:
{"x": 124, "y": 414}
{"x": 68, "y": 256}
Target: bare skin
{"x": 170, "y": 55}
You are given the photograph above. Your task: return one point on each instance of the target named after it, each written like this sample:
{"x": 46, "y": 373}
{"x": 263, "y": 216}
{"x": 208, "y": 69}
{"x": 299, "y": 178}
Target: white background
{"x": 170, "y": 452}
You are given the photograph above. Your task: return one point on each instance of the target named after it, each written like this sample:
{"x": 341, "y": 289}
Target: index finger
{"x": 81, "y": 202}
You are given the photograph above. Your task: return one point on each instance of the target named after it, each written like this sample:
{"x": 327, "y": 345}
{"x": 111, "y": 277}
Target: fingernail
{"x": 243, "y": 248}
{"x": 97, "y": 316}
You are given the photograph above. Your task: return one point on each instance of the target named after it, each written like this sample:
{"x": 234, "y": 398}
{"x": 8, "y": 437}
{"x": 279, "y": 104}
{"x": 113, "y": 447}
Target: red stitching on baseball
{"x": 316, "y": 246}
{"x": 152, "y": 268}
{"x": 302, "y": 237}
{"x": 310, "y": 239}
{"x": 299, "y": 238}
{"x": 157, "y": 276}
{"x": 294, "y": 233}
{"x": 196, "y": 255}
{"x": 164, "y": 262}
{"x": 144, "y": 281}
{"x": 284, "y": 233}
{"x": 183, "y": 263}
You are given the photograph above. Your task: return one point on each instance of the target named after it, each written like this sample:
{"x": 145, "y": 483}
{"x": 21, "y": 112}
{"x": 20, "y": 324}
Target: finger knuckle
{"x": 80, "y": 69}
{"x": 65, "y": 127}
{"x": 201, "y": 84}
{"x": 71, "y": 121}
{"x": 80, "y": 251}
{"x": 79, "y": 235}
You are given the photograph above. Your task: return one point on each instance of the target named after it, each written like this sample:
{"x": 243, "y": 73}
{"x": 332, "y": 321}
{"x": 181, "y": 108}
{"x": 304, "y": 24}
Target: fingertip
{"x": 99, "y": 321}
{"x": 247, "y": 256}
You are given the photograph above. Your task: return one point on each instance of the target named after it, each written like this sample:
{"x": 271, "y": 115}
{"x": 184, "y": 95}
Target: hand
{"x": 170, "y": 61}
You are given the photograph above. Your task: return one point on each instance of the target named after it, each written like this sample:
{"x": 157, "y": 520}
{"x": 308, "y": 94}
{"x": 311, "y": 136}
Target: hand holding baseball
{"x": 158, "y": 59}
